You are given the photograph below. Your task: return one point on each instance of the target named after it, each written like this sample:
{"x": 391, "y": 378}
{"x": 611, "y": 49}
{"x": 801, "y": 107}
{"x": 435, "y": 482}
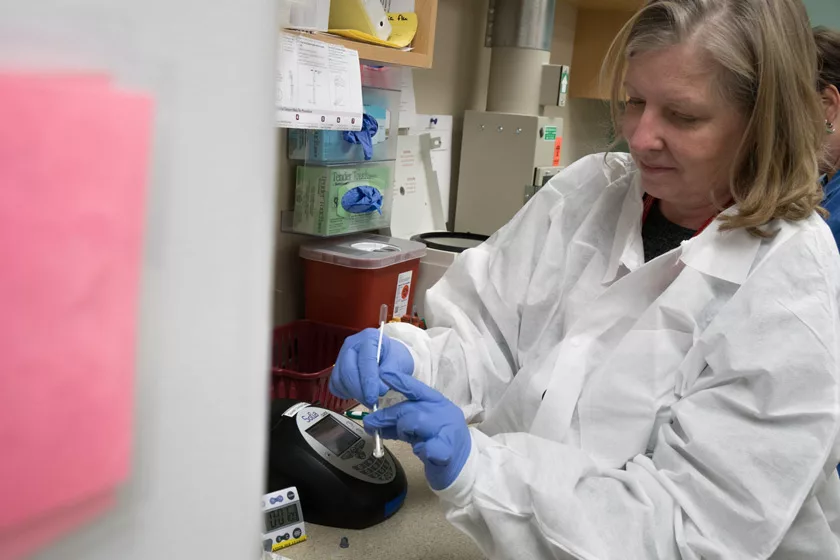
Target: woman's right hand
{"x": 356, "y": 372}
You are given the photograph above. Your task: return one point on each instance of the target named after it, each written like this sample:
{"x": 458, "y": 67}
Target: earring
{"x": 829, "y": 127}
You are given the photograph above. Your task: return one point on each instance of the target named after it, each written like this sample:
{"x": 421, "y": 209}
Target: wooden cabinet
{"x": 594, "y": 33}
{"x": 423, "y": 47}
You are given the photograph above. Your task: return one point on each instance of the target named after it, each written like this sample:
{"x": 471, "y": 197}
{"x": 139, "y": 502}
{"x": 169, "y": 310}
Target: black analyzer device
{"x": 329, "y": 459}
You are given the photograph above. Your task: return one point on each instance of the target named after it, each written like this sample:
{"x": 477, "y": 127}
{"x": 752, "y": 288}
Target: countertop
{"x": 418, "y": 531}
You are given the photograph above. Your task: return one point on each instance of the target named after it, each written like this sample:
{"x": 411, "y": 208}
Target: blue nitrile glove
{"x": 356, "y": 373}
{"x": 364, "y": 136}
{"x": 361, "y": 200}
{"x": 430, "y": 422}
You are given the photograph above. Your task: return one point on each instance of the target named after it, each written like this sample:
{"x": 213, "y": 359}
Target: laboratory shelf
{"x": 423, "y": 46}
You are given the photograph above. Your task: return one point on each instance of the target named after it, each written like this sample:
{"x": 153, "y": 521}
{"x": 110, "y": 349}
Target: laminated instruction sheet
{"x": 319, "y": 85}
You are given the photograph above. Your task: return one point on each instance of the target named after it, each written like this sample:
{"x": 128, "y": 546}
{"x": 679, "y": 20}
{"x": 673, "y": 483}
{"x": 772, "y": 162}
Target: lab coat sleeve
{"x": 750, "y": 438}
{"x": 471, "y": 354}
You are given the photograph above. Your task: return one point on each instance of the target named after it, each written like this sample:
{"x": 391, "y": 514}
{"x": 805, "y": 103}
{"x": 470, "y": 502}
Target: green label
{"x": 550, "y": 134}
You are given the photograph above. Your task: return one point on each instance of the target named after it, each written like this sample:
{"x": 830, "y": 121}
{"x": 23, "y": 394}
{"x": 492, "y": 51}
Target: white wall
{"x": 457, "y": 80}
{"x": 824, "y": 12}
{"x": 586, "y": 129}
{"x": 203, "y": 350}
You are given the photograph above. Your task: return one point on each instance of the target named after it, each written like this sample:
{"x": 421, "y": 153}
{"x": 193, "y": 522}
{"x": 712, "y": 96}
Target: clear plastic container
{"x": 311, "y": 15}
{"x": 322, "y": 194}
{"x": 329, "y": 146}
{"x": 382, "y": 77}
{"x": 349, "y": 279}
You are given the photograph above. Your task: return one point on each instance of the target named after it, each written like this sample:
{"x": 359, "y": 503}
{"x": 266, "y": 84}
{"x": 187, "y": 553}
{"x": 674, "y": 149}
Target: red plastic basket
{"x": 302, "y": 358}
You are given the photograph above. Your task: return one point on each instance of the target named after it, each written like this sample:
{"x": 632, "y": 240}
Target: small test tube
{"x": 378, "y": 449}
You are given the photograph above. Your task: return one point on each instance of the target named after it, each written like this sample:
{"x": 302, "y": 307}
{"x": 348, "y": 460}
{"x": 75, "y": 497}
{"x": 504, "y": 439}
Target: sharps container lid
{"x": 366, "y": 251}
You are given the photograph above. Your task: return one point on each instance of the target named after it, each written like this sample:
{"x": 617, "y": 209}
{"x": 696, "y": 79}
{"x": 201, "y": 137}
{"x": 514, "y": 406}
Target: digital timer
{"x": 282, "y": 519}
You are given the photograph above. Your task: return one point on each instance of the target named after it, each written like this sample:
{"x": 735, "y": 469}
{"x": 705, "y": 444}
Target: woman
{"x": 653, "y": 377}
{"x": 828, "y": 55}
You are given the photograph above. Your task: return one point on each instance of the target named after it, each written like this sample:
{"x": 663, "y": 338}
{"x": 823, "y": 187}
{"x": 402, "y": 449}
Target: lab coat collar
{"x": 628, "y": 249}
{"x": 728, "y": 255}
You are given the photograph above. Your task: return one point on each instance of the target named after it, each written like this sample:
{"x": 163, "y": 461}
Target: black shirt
{"x": 660, "y": 236}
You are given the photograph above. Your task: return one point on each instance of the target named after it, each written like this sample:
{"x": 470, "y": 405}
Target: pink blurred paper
{"x": 63, "y": 80}
{"x": 73, "y": 168}
{"x": 27, "y": 539}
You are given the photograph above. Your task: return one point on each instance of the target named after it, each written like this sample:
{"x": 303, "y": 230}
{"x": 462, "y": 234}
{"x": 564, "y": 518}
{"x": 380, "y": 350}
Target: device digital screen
{"x": 332, "y": 435}
{"x": 281, "y": 517}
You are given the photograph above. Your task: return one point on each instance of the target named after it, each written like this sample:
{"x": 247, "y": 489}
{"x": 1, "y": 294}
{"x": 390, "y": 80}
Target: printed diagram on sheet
{"x": 318, "y": 85}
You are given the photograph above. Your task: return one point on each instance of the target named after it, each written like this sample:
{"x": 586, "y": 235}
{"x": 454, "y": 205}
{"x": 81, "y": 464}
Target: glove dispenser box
{"x": 344, "y": 182}
{"x": 334, "y": 146}
{"x": 340, "y": 199}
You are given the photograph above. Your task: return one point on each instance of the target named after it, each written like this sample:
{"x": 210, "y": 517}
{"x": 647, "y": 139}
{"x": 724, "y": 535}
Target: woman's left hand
{"x": 434, "y": 426}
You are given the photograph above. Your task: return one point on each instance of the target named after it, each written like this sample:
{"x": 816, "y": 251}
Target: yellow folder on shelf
{"x": 403, "y": 30}
{"x": 367, "y": 16}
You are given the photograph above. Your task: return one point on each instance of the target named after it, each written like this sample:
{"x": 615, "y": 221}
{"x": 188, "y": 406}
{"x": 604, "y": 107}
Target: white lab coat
{"x": 687, "y": 407}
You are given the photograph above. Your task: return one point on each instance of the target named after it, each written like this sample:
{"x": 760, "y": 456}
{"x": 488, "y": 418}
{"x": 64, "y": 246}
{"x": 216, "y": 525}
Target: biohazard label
{"x": 403, "y": 293}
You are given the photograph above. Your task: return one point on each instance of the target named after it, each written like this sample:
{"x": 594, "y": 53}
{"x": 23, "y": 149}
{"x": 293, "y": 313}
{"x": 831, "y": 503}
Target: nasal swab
{"x": 378, "y": 449}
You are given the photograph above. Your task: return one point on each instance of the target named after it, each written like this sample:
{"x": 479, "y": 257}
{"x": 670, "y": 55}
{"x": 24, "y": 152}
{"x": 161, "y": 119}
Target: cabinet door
{"x": 594, "y": 34}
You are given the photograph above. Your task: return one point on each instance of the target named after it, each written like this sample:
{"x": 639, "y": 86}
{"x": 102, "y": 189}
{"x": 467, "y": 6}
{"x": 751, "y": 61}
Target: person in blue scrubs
{"x": 828, "y": 51}
{"x": 828, "y": 57}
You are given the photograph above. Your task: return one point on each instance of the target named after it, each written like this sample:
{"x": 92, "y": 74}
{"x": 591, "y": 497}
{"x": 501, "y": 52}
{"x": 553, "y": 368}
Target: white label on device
{"x": 294, "y": 409}
{"x": 403, "y": 293}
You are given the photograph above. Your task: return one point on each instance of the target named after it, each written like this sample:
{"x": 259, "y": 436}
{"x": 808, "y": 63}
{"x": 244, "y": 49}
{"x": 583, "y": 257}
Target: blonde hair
{"x": 828, "y": 57}
{"x": 766, "y": 65}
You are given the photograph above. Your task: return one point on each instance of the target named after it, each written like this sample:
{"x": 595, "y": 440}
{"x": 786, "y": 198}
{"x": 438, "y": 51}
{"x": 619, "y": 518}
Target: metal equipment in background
{"x": 505, "y": 147}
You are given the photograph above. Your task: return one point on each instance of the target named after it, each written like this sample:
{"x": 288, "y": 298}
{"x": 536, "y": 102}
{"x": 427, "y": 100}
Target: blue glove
{"x": 364, "y": 136}
{"x": 356, "y": 373}
{"x": 361, "y": 200}
{"x": 434, "y": 426}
